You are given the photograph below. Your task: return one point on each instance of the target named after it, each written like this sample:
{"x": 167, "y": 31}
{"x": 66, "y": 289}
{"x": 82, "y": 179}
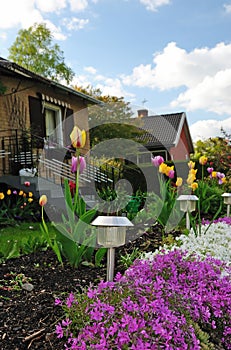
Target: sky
{"x": 163, "y": 55}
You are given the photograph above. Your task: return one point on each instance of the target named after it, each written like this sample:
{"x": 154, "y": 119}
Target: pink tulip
{"x": 171, "y": 174}
{"x": 78, "y": 163}
{"x": 156, "y": 161}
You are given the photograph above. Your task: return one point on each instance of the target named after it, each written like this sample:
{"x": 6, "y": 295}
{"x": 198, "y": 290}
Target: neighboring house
{"x": 36, "y": 113}
{"x": 167, "y": 135}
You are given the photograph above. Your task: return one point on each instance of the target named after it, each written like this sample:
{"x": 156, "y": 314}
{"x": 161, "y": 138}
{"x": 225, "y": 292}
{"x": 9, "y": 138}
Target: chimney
{"x": 142, "y": 113}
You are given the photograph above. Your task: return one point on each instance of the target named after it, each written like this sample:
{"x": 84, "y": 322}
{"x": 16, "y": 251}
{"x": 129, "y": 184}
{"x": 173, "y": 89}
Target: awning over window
{"x": 54, "y": 100}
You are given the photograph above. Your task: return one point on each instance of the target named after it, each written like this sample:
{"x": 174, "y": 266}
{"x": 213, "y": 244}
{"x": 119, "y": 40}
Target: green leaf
{"x": 99, "y": 256}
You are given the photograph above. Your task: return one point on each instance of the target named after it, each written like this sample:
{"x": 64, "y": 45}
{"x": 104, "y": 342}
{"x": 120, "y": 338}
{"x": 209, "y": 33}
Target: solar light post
{"x": 227, "y": 200}
{"x": 187, "y": 205}
{"x": 111, "y": 233}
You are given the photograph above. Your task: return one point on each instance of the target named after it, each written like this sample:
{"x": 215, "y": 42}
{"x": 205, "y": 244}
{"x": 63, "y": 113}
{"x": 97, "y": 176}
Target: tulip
{"x": 78, "y": 163}
{"x": 78, "y": 137}
{"x": 43, "y": 200}
{"x": 191, "y": 164}
{"x": 72, "y": 187}
{"x": 163, "y": 168}
{"x": 203, "y": 160}
{"x": 170, "y": 172}
{"x": 9, "y": 192}
{"x": 156, "y": 161}
{"x": 27, "y": 183}
{"x": 194, "y": 186}
{"x": 2, "y": 195}
{"x": 179, "y": 181}
{"x": 221, "y": 178}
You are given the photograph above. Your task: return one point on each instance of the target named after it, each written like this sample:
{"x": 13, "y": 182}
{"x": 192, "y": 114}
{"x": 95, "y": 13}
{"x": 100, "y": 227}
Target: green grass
{"x": 20, "y": 239}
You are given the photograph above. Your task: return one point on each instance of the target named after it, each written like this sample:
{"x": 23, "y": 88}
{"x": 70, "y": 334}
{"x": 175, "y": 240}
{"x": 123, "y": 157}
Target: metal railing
{"x": 18, "y": 151}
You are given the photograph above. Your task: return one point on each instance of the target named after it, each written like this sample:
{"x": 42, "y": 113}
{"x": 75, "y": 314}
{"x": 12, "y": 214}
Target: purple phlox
{"x": 59, "y": 330}
{"x": 70, "y": 300}
{"x": 58, "y": 302}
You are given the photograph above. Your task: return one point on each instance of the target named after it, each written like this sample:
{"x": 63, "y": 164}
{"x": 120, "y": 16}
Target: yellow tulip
{"x": 2, "y": 195}
{"x": 43, "y": 200}
{"x": 30, "y": 200}
{"x": 9, "y": 192}
{"x": 194, "y": 186}
{"x": 163, "y": 168}
{"x": 30, "y": 194}
{"x": 179, "y": 181}
{"x": 191, "y": 164}
{"x": 203, "y": 160}
{"x": 20, "y": 193}
{"x": 78, "y": 137}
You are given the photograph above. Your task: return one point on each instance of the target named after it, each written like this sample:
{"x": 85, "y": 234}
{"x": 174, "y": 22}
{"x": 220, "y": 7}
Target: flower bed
{"x": 173, "y": 300}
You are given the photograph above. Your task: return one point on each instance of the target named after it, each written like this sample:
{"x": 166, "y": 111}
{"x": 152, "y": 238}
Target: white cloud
{"x": 108, "y": 86}
{"x": 24, "y": 13}
{"x": 205, "y": 73}
{"x": 51, "y": 5}
{"x": 3, "y": 35}
{"x": 78, "y": 5}
{"x": 90, "y": 70}
{"x": 204, "y": 129}
{"x": 152, "y": 5}
{"x": 19, "y": 13}
{"x": 227, "y": 8}
{"x": 74, "y": 23}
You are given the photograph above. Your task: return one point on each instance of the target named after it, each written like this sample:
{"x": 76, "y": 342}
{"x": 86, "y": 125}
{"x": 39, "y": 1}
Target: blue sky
{"x": 173, "y": 54}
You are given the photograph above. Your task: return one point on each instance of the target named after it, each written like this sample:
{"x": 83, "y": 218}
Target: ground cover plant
{"x": 171, "y": 300}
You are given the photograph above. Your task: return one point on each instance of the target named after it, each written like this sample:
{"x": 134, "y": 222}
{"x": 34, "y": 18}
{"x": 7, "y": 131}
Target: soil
{"x": 28, "y": 317}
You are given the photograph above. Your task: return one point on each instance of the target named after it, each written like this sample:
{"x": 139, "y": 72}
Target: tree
{"x": 34, "y": 50}
{"x": 111, "y": 120}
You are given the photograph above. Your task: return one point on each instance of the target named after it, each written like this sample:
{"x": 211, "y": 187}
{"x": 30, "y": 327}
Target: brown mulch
{"x": 28, "y": 317}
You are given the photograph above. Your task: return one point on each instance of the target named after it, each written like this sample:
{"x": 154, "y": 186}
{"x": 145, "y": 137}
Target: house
{"x": 36, "y": 113}
{"x": 167, "y": 135}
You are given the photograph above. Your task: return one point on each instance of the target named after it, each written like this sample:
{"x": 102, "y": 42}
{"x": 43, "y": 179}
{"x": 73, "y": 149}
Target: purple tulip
{"x": 78, "y": 163}
{"x": 210, "y": 170}
{"x": 156, "y": 161}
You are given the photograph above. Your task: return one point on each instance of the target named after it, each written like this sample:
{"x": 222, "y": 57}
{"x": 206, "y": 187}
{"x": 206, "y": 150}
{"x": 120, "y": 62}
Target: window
{"x": 53, "y": 124}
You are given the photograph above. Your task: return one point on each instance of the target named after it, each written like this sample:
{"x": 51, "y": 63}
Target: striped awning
{"x": 54, "y": 100}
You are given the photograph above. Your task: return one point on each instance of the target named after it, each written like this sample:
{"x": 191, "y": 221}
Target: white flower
{"x": 213, "y": 241}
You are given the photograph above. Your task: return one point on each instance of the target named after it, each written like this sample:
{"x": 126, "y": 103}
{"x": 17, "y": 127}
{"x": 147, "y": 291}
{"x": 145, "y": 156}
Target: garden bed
{"x": 27, "y": 317}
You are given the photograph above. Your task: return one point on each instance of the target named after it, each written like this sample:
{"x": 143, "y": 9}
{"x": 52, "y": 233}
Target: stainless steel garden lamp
{"x": 227, "y": 200}
{"x": 111, "y": 233}
{"x": 187, "y": 205}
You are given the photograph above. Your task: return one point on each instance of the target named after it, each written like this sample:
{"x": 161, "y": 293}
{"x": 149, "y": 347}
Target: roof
{"x": 164, "y": 130}
{"x": 13, "y": 68}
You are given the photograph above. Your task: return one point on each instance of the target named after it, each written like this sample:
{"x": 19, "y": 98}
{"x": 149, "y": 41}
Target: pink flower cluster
{"x": 153, "y": 306}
